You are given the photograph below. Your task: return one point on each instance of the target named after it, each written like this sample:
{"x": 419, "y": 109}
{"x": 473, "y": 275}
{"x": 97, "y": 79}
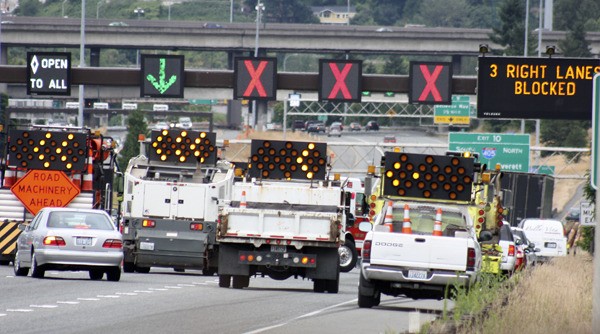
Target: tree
{"x": 512, "y": 28}
{"x": 136, "y": 125}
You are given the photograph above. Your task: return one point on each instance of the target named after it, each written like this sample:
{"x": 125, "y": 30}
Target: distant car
{"x": 389, "y": 139}
{"x": 372, "y": 126}
{"x": 118, "y": 24}
{"x": 507, "y": 242}
{"x": 212, "y": 25}
{"x": 573, "y": 214}
{"x": 185, "y": 123}
{"x": 338, "y": 124}
{"x": 526, "y": 248}
{"x": 67, "y": 239}
{"x": 384, "y": 29}
{"x": 548, "y": 235}
{"x": 355, "y": 126}
{"x": 334, "y": 130}
{"x": 308, "y": 123}
{"x": 316, "y": 128}
{"x": 161, "y": 125}
{"x": 298, "y": 125}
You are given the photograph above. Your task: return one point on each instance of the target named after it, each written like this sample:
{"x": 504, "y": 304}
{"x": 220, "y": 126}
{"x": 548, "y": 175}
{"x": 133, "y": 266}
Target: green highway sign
{"x": 542, "y": 169}
{"x": 162, "y": 76}
{"x": 511, "y": 151}
{"x": 456, "y": 113}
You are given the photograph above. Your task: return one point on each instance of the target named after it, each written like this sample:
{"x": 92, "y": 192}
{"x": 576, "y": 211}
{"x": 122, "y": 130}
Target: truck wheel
{"x": 348, "y": 256}
{"x": 4, "y": 262}
{"x": 142, "y": 270}
{"x": 128, "y": 267}
{"x": 240, "y": 281}
{"x": 208, "y": 272}
{"x": 319, "y": 285}
{"x": 367, "y": 300}
{"x": 224, "y": 281}
{"x": 96, "y": 274}
{"x": 333, "y": 285}
{"x": 36, "y": 271}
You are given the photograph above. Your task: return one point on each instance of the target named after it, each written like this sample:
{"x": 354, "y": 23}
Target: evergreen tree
{"x": 136, "y": 125}
{"x": 511, "y": 31}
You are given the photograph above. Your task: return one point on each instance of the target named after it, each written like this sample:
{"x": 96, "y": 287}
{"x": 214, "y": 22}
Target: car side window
{"x": 35, "y": 222}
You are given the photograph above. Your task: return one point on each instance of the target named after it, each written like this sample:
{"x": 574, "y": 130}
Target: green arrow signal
{"x": 161, "y": 85}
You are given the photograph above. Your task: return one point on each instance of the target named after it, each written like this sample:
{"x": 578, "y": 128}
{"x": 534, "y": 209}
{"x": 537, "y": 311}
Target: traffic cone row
{"x": 243, "y": 203}
{"x": 406, "y": 224}
{"x": 437, "y": 225}
{"x": 389, "y": 218}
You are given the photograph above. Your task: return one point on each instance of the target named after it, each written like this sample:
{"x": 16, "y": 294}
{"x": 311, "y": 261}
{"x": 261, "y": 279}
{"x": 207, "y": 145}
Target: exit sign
{"x": 511, "y": 151}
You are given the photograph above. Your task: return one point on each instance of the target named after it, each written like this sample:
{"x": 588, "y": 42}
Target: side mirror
{"x": 531, "y": 245}
{"x": 485, "y": 236}
{"x": 365, "y": 226}
{"x": 518, "y": 242}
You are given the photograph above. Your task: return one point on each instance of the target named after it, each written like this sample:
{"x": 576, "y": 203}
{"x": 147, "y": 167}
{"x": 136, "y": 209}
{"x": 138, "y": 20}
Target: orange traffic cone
{"x": 243, "y": 200}
{"x": 389, "y": 218}
{"x": 406, "y": 224}
{"x": 437, "y": 225}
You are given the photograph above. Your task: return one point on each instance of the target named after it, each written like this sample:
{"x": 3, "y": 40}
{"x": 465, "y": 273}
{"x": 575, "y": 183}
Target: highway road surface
{"x": 167, "y": 302}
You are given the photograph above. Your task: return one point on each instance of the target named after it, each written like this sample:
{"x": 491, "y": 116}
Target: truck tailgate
{"x": 419, "y": 251}
{"x": 280, "y": 224}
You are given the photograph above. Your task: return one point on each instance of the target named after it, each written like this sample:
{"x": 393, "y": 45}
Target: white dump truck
{"x": 284, "y": 219}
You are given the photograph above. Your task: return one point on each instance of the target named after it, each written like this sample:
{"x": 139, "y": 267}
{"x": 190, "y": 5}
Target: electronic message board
{"x": 530, "y": 88}
{"x": 255, "y": 78}
{"x": 48, "y": 73}
{"x": 340, "y": 80}
{"x": 162, "y": 76}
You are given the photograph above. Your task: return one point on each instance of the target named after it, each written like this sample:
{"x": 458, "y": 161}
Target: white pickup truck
{"x": 419, "y": 264}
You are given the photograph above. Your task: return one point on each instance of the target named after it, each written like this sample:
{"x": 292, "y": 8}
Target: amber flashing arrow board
{"x": 42, "y": 188}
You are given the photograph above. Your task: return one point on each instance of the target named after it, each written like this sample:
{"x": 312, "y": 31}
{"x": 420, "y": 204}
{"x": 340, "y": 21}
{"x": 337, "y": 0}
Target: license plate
{"x": 551, "y": 245}
{"x": 278, "y": 249}
{"x": 417, "y": 274}
{"x": 146, "y": 245}
{"x": 83, "y": 241}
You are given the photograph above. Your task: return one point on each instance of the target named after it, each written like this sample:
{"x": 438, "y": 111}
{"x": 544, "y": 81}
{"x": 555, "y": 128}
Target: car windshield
{"x": 79, "y": 220}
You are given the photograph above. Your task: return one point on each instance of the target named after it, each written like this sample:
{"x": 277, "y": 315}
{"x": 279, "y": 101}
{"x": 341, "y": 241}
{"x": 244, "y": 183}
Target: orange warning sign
{"x": 42, "y": 188}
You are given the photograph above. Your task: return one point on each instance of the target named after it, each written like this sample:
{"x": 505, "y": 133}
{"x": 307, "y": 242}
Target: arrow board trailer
{"x": 172, "y": 197}
{"x": 284, "y": 219}
{"x": 75, "y": 170}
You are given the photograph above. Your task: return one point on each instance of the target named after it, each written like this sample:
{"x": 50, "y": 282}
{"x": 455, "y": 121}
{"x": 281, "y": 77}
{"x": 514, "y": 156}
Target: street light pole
{"x": 63, "y": 8}
{"x": 259, "y": 8}
{"x": 98, "y": 4}
{"x": 139, "y": 11}
{"x": 81, "y": 64}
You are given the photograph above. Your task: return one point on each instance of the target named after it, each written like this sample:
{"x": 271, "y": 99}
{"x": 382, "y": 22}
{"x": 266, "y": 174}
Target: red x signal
{"x": 340, "y": 80}
{"x": 255, "y": 78}
{"x": 340, "y": 83}
{"x": 430, "y": 83}
{"x": 430, "y": 86}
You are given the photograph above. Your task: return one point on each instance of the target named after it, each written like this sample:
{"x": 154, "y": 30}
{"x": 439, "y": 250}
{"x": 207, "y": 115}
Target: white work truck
{"x": 171, "y": 201}
{"x": 423, "y": 240}
{"x": 284, "y": 219}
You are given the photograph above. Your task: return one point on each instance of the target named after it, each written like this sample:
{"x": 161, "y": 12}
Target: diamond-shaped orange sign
{"x": 41, "y": 188}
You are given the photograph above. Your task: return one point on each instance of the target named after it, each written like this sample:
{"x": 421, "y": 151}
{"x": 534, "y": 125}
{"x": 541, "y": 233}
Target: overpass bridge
{"x": 238, "y": 38}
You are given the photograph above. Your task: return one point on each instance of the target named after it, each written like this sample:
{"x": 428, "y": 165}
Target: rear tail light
{"x": 471, "y": 259}
{"x": 54, "y": 241}
{"x": 148, "y": 223}
{"x": 511, "y": 250}
{"x": 366, "y": 251}
{"x": 112, "y": 243}
{"x": 196, "y": 226}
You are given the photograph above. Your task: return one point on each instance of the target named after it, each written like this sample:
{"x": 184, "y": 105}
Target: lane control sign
{"x": 255, "y": 78}
{"x": 430, "y": 83}
{"x": 48, "y": 73}
{"x": 340, "y": 80}
{"x": 162, "y": 76}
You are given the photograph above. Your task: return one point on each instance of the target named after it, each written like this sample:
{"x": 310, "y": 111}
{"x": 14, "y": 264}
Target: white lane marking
{"x": 43, "y": 306}
{"x": 19, "y": 310}
{"x": 67, "y": 302}
{"x": 158, "y": 289}
{"x": 143, "y": 291}
{"x": 310, "y": 314}
{"x": 185, "y": 285}
{"x": 3, "y": 314}
{"x": 200, "y": 283}
{"x": 126, "y": 293}
{"x": 88, "y": 299}
{"x": 108, "y": 296}
{"x": 172, "y": 287}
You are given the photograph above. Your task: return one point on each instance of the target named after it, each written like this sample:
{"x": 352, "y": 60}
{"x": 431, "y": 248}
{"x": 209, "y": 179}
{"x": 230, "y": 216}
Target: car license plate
{"x": 278, "y": 249}
{"x": 417, "y": 274}
{"x": 146, "y": 245}
{"x": 551, "y": 245}
{"x": 83, "y": 241}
